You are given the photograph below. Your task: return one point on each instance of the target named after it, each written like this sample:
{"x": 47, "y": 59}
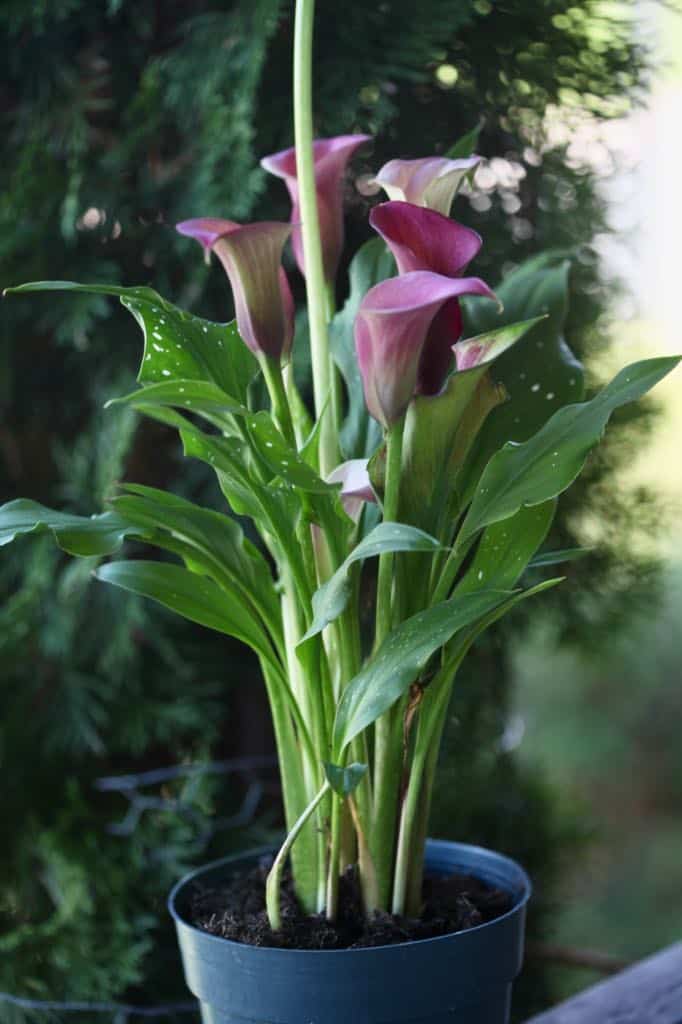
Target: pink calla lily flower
{"x": 252, "y": 255}
{"x": 432, "y": 181}
{"x": 422, "y": 239}
{"x": 403, "y": 338}
{"x": 356, "y": 488}
{"x": 331, "y": 158}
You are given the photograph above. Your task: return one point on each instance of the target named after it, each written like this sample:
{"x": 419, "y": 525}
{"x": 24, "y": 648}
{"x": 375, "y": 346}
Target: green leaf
{"x": 434, "y": 446}
{"x": 506, "y": 548}
{"x": 544, "y": 466}
{"x": 541, "y": 374}
{"x": 344, "y": 781}
{"x": 77, "y": 535}
{"x": 310, "y": 449}
{"x": 196, "y": 598}
{"x": 273, "y": 506}
{"x": 332, "y": 597}
{"x": 219, "y": 541}
{"x": 546, "y": 558}
{"x": 484, "y": 349}
{"x": 360, "y": 434}
{"x": 281, "y": 458}
{"x": 177, "y": 345}
{"x": 466, "y": 145}
{"x": 195, "y": 396}
{"x": 401, "y": 658}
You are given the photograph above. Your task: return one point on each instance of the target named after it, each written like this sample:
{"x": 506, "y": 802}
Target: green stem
{"x": 272, "y": 372}
{"x": 452, "y": 565}
{"x": 274, "y": 880}
{"x": 413, "y": 900}
{"x": 334, "y": 859}
{"x": 295, "y": 793}
{"x": 316, "y": 292}
{"x": 388, "y": 729}
{"x": 394, "y": 453}
{"x": 429, "y": 731}
{"x": 408, "y": 816}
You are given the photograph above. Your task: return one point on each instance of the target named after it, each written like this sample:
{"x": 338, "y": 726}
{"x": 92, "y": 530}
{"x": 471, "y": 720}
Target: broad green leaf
{"x": 310, "y": 449}
{"x": 77, "y": 535}
{"x": 229, "y": 457}
{"x": 222, "y": 549}
{"x": 177, "y": 345}
{"x": 196, "y": 598}
{"x": 273, "y": 505}
{"x": 506, "y": 548}
{"x": 282, "y": 460}
{"x": 459, "y": 647}
{"x": 202, "y": 397}
{"x": 434, "y": 446}
{"x": 546, "y": 558}
{"x": 345, "y": 781}
{"x": 544, "y": 466}
{"x": 401, "y": 658}
{"x": 540, "y": 374}
{"x": 360, "y": 434}
{"x": 466, "y": 144}
{"x": 332, "y": 597}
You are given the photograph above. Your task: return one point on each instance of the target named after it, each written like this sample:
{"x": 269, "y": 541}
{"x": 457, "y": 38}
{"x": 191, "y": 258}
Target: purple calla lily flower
{"x": 422, "y": 239}
{"x": 356, "y": 488}
{"x": 251, "y": 255}
{"x": 432, "y": 181}
{"x": 331, "y": 158}
{"x": 206, "y": 230}
{"x": 403, "y": 338}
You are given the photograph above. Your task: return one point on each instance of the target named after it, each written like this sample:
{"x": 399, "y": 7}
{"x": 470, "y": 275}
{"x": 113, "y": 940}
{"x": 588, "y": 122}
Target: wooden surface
{"x": 648, "y": 993}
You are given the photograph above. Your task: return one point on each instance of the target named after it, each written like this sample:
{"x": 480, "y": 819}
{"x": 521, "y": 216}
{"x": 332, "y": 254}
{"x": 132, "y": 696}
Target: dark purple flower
{"x": 403, "y": 338}
{"x": 422, "y": 239}
{"x": 331, "y": 158}
{"x": 252, "y": 255}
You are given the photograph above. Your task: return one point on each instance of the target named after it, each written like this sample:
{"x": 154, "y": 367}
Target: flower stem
{"x": 394, "y": 454}
{"x": 274, "y": 880}
{"x": 334, "y": 859}
{"x": 279, "y": 402}
{"x": 388, "y": 729}
{"x": 316, "y": 289}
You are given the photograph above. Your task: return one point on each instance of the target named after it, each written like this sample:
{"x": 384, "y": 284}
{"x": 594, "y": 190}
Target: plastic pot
{"x": 463, "y": 978}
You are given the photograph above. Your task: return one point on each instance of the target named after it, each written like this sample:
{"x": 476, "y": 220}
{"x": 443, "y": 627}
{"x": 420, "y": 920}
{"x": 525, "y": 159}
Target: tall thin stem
{"x": 316, "y": 289}
{"x": 388, "y": 730}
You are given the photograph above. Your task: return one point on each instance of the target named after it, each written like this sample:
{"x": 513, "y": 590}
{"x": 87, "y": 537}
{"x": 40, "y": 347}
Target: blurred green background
{"x": 120, "y": 119}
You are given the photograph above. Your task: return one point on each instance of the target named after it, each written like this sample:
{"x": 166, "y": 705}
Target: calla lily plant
{"x": 401, "y": 510}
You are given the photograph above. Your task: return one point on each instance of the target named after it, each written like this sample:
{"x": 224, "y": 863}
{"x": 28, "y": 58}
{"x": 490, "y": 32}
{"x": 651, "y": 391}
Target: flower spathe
{"x": 331, "y": 158}
{"x": 422, "y": 239}
{"x": 251, "y": 255}
{"x": 432, "y": 181}
{"x": 356, "y": 487}
{"x": 402, "y": 343}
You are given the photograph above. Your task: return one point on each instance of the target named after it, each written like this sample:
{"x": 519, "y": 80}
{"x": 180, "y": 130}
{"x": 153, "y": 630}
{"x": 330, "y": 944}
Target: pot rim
{"x": 520, "y": 901}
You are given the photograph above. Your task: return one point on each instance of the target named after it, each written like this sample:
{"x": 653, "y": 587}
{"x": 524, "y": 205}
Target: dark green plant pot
{"x": 464, "y": 978}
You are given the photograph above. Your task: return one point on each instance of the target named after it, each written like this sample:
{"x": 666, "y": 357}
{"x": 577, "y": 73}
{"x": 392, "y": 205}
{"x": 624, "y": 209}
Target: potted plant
{"x": 438, "y": 454}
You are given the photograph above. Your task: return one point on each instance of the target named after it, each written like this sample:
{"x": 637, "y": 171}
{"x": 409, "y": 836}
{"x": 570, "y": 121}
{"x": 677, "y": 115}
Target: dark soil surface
{"x": 237, "y": 911}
